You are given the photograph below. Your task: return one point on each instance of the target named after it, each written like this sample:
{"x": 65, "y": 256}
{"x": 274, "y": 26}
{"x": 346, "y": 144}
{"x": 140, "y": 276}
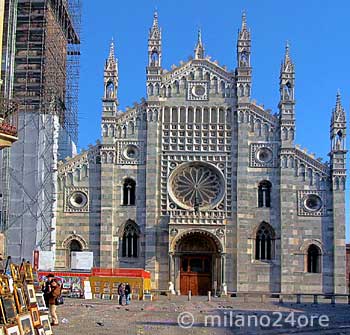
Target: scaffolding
{"x": 45, "y": 85}
{"x": 48, "y": 59}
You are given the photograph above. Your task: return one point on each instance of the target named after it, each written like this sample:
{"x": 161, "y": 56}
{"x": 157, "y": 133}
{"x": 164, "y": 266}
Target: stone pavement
{"x": 221, "y": 316}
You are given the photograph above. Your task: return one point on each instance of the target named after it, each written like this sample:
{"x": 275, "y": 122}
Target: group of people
{"x": 52, "y": 290}
{"x": 124, "y": 291}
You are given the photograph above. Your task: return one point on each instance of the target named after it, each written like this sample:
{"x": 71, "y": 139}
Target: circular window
{"x": 264, "y": 155}
{"x": 197, "y": 184}
{"x": 131, "y": 151}
{"x": 198, "y": 90}
{"x": 78, "y": 199}
{"x": 312, "y": 202}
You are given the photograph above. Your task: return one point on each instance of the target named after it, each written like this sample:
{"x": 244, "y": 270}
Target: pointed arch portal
{"x": 197, "y": 264}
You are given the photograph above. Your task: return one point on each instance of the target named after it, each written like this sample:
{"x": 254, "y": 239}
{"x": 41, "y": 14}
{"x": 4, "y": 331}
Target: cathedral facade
{"x": 203, "y": 187}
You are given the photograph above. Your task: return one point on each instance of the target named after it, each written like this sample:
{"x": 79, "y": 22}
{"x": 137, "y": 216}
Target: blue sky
{"x": 317, "y": 30}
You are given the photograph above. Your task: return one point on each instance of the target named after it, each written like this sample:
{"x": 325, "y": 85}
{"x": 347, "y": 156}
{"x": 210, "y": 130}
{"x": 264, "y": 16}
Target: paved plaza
{"x": 221, "y": 316}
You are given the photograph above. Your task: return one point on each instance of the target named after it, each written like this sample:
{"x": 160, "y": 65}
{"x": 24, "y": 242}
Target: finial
{"x": 111, "y": 50}
{"x": 288, "y": 65}
{"x": 155, "y": 18}
{"x": 199, "y": 36}
{"x": 244, "y": 20}
{"x": 287, "y": 48}
{"x": 199, "y": 50}
{"x": 338, "y": 101}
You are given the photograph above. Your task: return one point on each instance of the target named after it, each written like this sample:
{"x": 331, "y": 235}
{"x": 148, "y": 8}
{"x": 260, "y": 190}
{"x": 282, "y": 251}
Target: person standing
{"x": 127, "y": 293}
{"x": 47, "y": 288}
{"x": 121, "y": 292}
{"x": 55, "y": 292}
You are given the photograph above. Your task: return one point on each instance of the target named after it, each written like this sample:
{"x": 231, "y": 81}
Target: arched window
{"x": 132, "y": 128}
{"x": 176, "y": 87}
{"x": 222, "y": 88}
{"x": 302, "y": 172}
{"x": 157, "y": 89}
{"x": 130, "y": 239}
{"x": 265, "y": 242}
{"x": 215, "y": 85}
{"x": 313, "y": 259}
{"x": 150, "y": 89}
{"x": 241, "y": 90}
{"x": 264, "y": 194}
{"x": 129, "y": 192}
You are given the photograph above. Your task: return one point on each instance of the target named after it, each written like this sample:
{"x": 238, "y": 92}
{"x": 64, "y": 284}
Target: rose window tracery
{"x": 197, "y": 184}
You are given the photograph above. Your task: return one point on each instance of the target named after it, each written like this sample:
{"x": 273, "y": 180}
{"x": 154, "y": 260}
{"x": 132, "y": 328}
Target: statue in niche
{"x": 287, "y": 91}
{"x": 154, "y": 58}
{"x": 110, "y": 90}
{"x": 244, "y": 59}
{"x": 338, "y": 140}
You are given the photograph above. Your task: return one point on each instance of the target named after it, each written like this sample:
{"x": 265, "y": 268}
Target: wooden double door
{"x": 196, "y": 274}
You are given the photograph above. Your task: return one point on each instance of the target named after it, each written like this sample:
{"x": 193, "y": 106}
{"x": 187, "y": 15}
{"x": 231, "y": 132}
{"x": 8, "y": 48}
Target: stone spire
{"x": 154, "y": 67}
{"x": 338, "y": 114}
{"x": 155, "y": 32}
{"x": 243, "y": 70}
{"x": 244, "y": 33}
{"x": 155, "y": 43}
{"x": 287, "y": 64}
{"x": 287, "y": 100}
{"x": 111, "y": 79}
{"x": 338, "y": 126}
{"x": 110, "y": 96}
{"x": 199, "y": 50}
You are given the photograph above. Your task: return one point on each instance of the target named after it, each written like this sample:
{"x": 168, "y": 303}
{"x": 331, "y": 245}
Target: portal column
{"x": 177, "y": 272}
{"x": 171, "y": 268}
{"x": 223, "y": 274}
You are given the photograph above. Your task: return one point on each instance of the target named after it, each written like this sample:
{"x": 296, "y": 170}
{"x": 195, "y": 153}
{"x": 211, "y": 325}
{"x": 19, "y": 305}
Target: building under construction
{"x": 41, "y": 73}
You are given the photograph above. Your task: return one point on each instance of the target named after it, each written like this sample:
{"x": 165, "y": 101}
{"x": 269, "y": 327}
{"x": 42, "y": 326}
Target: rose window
{"x": 197, "y": 185}
{"x": 131, "y": 152}
{"x": 198, "y": 90}
{"x": 264, "y": 155}
{"x": 312, "y": 202}
{"x": 78, "y": 199}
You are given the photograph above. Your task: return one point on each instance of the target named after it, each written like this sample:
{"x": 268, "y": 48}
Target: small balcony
{"x": 8, "y": 122}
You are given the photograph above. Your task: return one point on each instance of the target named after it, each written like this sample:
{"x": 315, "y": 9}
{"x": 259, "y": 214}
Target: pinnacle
{"x": 199, "y": 50}
{"x": 199, "y": 37}
{"x": 244, "y": 20}
{"x": 287, "y": 48}
{"x": 338, "y": 105}
{"x": 155, "y": 19}
{"x": 111, "y": 50}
